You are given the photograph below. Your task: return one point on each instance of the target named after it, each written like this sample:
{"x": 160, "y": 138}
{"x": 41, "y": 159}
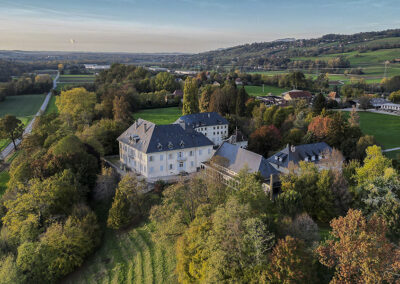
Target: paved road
{"x": 390, "y": 150}
{"x": 7, "y": 151}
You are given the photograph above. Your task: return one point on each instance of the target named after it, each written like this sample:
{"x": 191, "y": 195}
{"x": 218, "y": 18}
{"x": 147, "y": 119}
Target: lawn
{"x": 24, "y": 105}
{"x": 159, "y": 115}
{"x": 258, "y": 90}
{"x": 385, "y": 128}
{"x": 51, "y": 107}
{"x": 128, "y": 257}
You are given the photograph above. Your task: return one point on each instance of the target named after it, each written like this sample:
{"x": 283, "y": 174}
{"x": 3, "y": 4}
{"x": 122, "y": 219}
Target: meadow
{"x": 51, "y": 107}
{"x": 385, "y": 128}
{"x": 128, "y": 257}
{"x": 254, "y": 91}
{"x": 159, "y": 115}
{"x": 76, "y": 79}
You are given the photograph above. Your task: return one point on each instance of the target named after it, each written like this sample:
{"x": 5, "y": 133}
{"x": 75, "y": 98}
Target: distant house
{"x": 238, "y": 82}
{"x": 175, "y": 96}
{"x": 272, "y": 100}
{"x": 210, "y": 124}
{"x": 229, "y": 159}
{"x": 159, "y": 151}
{"x": 391, "y": 107}
{"x": 334, "y": 96}
{"x": 377, "y": 103}
{"x": 297, "y": 95}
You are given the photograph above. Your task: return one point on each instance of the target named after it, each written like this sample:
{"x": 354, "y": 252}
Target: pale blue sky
{"x": 181, "y": 25}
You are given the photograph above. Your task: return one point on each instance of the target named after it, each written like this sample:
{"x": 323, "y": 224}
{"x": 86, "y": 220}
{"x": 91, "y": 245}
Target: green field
{"x": 385, "y": 128}
{"x": 254, "y": 91}
{"x": 159, "y": 115}
{"x": 51, "y": 107}
{"x": 24, "y": 105}
{"x": 128, "y": 257}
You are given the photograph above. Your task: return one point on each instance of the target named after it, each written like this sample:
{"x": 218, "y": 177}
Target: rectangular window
{"x": 181, "y": 165}
{"x": 192, "y": 164}
{"x": 171, "y": 166}
{"x": 151, "y": 158}
{"x": 180, "y": 154}
{"x": 151, "y": 169}
{"x": 200, "y": 152}
{"x": 161, "y": 157}
{"x": 217, "y": 127}
{"x": 170, "y": 156}
{"x": 161, "y": 168}
{"x": 191, "y": 153}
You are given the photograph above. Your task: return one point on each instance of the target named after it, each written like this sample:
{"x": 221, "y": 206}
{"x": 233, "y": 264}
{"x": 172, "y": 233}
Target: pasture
{"x": 128, "y": 257}
{"x": 159, "y": 115}
{"x": 255, "y": 91}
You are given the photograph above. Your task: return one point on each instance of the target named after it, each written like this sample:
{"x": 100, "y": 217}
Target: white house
{"x": 391, "y": 106}
{"x": 157, "y": 151}
{"x": 210, "y": 124}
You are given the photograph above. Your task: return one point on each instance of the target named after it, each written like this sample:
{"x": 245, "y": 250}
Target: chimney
{"x": 145, "y": 127}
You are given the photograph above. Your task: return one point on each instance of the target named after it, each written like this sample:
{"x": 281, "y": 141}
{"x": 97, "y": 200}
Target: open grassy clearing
{"x": 258, "y": 90}
{"x": 51, "y": 107}
{"x": 159, "y": 115}
{"x": 128, "y": 257}
{"x": 385, "y": 128}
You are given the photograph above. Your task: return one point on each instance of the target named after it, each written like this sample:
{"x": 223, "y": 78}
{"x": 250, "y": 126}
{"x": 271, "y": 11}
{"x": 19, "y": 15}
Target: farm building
{"x": 297, "y": 95}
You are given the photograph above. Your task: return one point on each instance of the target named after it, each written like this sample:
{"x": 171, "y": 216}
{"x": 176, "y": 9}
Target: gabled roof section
{"x": 147, "y": 137}
{"x": 296, "y": 94}
{"x": 202, "y": 119}
{"x": 239, "y": 158}
{"x": 299, "y": 153}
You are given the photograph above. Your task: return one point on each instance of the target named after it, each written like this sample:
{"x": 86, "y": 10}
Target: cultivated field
{"x": 159, "y": 115}
{"x": 72, "y": 80}
{"x": 128, "y": 257}
{"x": 254, "y": 91}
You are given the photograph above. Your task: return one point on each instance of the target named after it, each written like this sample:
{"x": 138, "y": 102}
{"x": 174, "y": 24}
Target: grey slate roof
{"x": 202, "y": 119}
{"x": 239, "y": 158}
{"x": 299, "y": 154}
{"x": 147, "y": 137}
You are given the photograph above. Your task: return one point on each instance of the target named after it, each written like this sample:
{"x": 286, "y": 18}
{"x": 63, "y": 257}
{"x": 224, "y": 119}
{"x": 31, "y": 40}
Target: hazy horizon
{"x": 188, "y": 26}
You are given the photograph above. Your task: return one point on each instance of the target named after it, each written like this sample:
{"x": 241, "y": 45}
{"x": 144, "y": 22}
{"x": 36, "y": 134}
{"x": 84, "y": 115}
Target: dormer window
{"x": 280, "y": 159}
{"x": 306, "y": 159}
{"x": 276, "y": 158}
{"x": 182, "y": 144}
{"x": 170, "y": 145}
{"x": 313, "y": 158}
{"x": 159, "y": 146}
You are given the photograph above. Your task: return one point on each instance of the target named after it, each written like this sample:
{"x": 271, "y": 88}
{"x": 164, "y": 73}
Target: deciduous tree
{"x": 11, "y": 128}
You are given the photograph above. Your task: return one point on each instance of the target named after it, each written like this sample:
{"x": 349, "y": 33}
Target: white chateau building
{"x": 210, "y": 124}
{"x": 157, "y": 151}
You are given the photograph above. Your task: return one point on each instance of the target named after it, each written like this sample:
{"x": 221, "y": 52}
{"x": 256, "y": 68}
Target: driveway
{"x": 10, "y": 147}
